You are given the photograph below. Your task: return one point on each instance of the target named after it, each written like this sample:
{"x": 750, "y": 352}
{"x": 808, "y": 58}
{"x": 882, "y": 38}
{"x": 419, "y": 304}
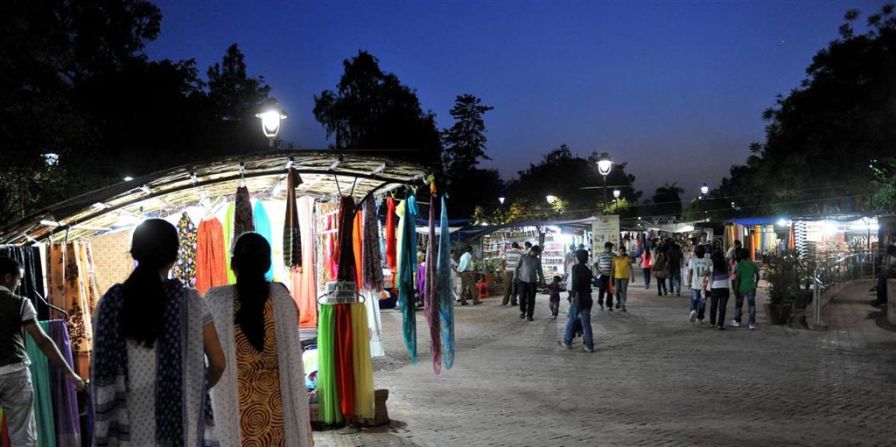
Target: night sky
{"x": 676, "y": 89}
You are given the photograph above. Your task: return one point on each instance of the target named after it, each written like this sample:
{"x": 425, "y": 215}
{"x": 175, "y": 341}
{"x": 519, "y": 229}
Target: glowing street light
{"x": 551, "y": 199}
{"x": 270, "y": 117}
{"x": 704, "y": 189}
{"x": 501, "y": 199}
{"x": 616, "y": 193}
{"x": 604, "y": 165}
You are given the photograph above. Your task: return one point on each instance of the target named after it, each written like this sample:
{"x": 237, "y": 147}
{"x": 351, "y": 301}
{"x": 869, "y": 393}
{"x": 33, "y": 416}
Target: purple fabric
{"x": 65, "y": 398}
{"x": 421, "y": 282}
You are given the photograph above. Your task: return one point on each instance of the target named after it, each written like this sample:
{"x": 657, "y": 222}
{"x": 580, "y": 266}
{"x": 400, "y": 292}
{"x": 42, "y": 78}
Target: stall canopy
{"x": 474, "y": 232}
{"x": 324, "y": 173}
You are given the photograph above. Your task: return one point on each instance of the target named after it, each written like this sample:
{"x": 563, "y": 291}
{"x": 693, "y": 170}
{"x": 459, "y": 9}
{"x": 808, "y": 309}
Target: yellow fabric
{"x": 365, "y": 403}
{"x": 258, "y": 386}
{"x": 622, "y": 267}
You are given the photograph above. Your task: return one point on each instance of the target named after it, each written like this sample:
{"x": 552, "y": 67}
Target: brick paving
{"x": 655, "y": 379}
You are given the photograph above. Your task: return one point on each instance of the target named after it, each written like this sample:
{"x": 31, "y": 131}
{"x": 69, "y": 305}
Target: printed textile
{"x": 292, "y": 234}
{"x": 211, "y": 259}
{"x": 185, "y": 268}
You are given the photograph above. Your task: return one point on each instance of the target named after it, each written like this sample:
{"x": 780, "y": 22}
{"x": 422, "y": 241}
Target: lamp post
{"x": 551, "y": 199}
{"x": 616, "y": 194}
{"x": 604, "y": 165}
{"x": 270, "y": 117}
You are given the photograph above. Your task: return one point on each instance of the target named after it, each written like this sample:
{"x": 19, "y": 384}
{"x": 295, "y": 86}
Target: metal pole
{"x": 605, "y": 190}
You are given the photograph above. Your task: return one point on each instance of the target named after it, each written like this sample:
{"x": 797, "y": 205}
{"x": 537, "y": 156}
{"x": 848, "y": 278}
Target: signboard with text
{"x": 605, "y": 229}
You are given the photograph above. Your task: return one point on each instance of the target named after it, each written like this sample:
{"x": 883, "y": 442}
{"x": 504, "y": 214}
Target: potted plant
{"x": 784, "y": 273}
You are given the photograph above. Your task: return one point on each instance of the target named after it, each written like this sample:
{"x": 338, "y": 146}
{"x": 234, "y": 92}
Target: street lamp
{"x": 501, "y": 199}
{"x": 704, "y": 189}
{"x": 270, "y": 117}
{"x": 616, "y": 194}
{"x": 604, "y": 165}
{"x": 551, "y": 199}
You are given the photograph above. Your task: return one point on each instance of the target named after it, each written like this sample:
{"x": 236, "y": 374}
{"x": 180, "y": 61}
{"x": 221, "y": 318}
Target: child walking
{"x": 554, "y": 289}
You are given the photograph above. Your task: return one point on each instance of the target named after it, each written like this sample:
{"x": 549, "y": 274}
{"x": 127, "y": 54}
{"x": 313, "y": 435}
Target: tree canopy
{"x": 822, "y": 137}
{"x": 372, "y": 109}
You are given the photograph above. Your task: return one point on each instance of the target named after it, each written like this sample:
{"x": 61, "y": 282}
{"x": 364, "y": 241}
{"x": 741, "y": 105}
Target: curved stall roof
{"x": 324, "y": 174}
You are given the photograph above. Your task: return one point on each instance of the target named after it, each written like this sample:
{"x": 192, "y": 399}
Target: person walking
{"x": 152, "y": 339}
{"x": 646, "y": 265}
{"x": 623, "y": 273}
{"x": 604, "y": 275}
{"x": 675, "y": 257}
{"x": 17, "y": 317}
{"x": 746, "y": 278}
{"x": 697, "y": 269}
{"x": 720, "y": 287}
{"x": 529, "y": 273}
{"x": 580, "y": 307}
{"x": 511, "y": 286}
{"x": 554, "y": 291}
{"x": 468, "y": 282}
{"x": 262, "y": 398}
{"x": 661, "y": 270}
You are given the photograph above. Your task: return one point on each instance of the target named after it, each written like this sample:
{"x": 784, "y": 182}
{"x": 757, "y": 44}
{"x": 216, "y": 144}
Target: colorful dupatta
{"x": 292, "y": 234}
{"x": 211, "y": 260}
{"x": 330, "y": 411}
{"x": 263, "y": 227}
{"x": 363, "y": 366}
{"x": 407, "y": 264}
{"x": 431, "y": 301}
{"x": 391, "y": 249}
{"x": 446, "y": 308}
{"x": 373, "y": 261}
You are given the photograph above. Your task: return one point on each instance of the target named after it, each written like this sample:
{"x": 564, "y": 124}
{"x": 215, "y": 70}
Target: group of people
{"x": 715, "y": 277}
{"x": 170, "y": 367}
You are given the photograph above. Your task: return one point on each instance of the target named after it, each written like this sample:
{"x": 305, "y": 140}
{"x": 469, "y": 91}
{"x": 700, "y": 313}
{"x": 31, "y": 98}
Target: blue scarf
{"x": 446, "y": 306}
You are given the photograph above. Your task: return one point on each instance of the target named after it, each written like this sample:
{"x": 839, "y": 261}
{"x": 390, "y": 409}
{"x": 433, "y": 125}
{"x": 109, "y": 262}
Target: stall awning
{"x": 324, "y": 173}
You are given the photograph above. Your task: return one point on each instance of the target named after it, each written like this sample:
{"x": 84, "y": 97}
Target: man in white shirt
{"x": 468, "y": 282}
{"x": 511, "y": 286}
{"x": 697, "y": 268}
{"x": 17, "y": 316}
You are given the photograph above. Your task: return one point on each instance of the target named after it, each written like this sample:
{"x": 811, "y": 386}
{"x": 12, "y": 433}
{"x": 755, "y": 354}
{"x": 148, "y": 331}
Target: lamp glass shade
{"x": 604, "y": 165}
{"x": 551, "y": 199}
{"x": 704, "y": 189}
{"x": 617, "y": 193}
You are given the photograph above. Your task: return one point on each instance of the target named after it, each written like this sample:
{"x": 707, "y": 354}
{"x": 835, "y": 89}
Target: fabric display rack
{"x": 332, "y": 219}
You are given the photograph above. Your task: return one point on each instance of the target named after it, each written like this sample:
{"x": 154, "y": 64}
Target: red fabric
{"x": 345, "y": 376}
{"x": 391, "y": 247}
{"x": 356, "y": 245}
{"x": 211, "y": 260}
{"x": 345, "y": 247}
{"x": 4, "y": 433}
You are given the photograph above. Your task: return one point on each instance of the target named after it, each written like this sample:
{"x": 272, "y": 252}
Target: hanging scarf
{"x": 211, "y": 259}
{"x": 345, "y": 250}
{"x": 431, "y": 302}
{"x": 185, "y": 268}
{"x": 304, "y": 280}
{"x": 181, "y": 395}
{"x": 446, "y": 309}
{"x": 263, "y": 227}
{"x": 345, "y": 375}
{"x": 407, "y": 260}
{"x": 65, "y": 398}
{"x": 292, "y": 235}
{"x": 373, "y": 268}
{"x": 330, "y": 412}
{"x": 229, "y": 236}
{"x": 42, "y": 395}
{"x": 391, "y": 255}
{"x": 363, "y": 366}
{"x": 357, "y": 247}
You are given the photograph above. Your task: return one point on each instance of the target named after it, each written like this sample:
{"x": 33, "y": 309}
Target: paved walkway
{"x": 655, "y": 380}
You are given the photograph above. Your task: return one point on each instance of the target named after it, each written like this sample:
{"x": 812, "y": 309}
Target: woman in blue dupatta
{"x": 152, "y": 336}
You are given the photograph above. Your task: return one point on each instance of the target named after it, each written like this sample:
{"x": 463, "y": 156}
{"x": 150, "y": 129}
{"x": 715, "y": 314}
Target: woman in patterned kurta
{"x": 262, "y": 399}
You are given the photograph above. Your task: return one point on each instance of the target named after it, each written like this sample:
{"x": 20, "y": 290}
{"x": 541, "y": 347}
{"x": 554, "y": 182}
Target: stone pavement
{"x": 655, "y": 379}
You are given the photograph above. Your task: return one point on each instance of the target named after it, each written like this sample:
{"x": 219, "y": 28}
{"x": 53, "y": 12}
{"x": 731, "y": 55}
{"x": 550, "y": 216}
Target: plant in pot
{"x": 784, "y": 273}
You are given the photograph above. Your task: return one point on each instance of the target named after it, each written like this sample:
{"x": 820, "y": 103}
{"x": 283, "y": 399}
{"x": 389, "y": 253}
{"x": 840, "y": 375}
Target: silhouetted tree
{"x": 464, "y": 146}
{"x": 822, "y": 137}
{"x": 667, "y": 200}
{"x": 372, "y": 109}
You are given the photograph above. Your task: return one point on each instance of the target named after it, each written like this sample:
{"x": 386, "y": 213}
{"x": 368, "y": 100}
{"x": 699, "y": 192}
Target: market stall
{"x": 321, "y": 212}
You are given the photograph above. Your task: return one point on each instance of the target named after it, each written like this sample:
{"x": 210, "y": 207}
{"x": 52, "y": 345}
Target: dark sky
{"x": 676, "y": 89}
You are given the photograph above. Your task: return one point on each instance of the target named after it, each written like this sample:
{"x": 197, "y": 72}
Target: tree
{"x": 465, "y": 141}
{"x": 566, "y": 176}
{"x": 235, "y": 98}
{"x": 371, "y": 109}
{"x": 667, "y": 200}
{"x": 822, "y": 136}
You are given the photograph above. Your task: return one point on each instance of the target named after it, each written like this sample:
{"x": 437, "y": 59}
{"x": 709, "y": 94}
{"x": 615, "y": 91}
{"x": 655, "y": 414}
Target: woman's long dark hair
{"x": 718, "y": 262}
{"x": 251, "y": 259}
{"x": 154, "y": 246}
